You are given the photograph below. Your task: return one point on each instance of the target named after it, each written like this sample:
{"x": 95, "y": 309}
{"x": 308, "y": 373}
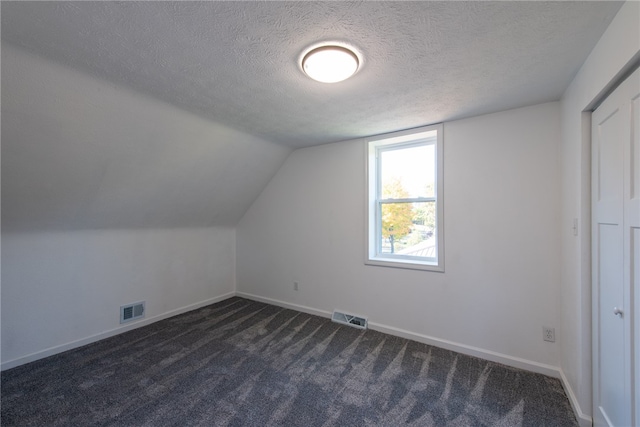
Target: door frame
{"x": 586, "y": 248}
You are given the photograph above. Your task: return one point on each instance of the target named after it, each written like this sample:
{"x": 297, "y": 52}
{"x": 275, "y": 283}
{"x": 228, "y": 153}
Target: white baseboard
{"x": 297, "y": 307}
{"x": 552, "y": 371}
{"x": 583, "y": 419}
{"x": 504, "y": 359}
{"x": 516, "y": 362}
{"x": 102, "y": 335}
{"x": 481, "y": 353}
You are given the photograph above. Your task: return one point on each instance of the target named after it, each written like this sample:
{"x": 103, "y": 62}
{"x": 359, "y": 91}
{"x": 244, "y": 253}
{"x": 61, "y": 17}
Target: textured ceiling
{"x": 236, "y": 63}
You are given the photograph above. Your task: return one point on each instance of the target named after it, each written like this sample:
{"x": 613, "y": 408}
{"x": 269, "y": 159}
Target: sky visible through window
{"x": 413, "y": 167}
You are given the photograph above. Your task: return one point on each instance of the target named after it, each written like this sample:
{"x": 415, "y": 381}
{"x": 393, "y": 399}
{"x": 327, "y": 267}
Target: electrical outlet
{"x": 548, "y": 334}
{"x": 295, "y": 286}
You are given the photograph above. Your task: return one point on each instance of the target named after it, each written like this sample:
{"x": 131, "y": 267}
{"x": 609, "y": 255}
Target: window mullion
{"x": 409, "y": 200}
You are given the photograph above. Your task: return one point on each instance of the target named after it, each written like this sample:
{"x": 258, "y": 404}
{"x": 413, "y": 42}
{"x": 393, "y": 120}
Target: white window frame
{"x": 399, "y": 140}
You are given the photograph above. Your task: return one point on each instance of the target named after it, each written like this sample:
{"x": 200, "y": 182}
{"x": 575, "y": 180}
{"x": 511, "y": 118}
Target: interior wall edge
{"x": 284, "y": 304}
{"x": 583, "y": 419}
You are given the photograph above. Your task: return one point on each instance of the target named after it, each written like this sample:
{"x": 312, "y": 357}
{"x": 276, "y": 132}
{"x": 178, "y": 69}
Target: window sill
{"x": 409, "y": 265}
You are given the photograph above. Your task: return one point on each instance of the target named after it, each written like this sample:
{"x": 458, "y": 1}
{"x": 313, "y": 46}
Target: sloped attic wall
{"x": 80, "y": 153}
{"x": 110, "y": 197}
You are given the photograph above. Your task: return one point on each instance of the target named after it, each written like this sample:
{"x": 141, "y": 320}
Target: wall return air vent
{"x": 131, "y": 312}
{"x": 349, "y": 319}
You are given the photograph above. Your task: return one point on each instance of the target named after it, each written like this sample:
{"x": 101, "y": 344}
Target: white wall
{"x": 63, "y": 289}
{"x": 501, "y": 205}
{"x": 613, "y": 54}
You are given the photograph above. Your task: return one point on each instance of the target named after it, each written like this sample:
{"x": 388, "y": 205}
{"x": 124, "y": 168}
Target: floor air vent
{"x": 131, "y": 312}
{"x": 349, "y": 319}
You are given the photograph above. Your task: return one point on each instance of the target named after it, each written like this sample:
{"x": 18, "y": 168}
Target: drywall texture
{"x": 501, "y": 207}
{"x": 618, "y": 48}
{"x": 238, "y": 62}
{"x": 81, "y": 153}
{"x": 63, "y": 287}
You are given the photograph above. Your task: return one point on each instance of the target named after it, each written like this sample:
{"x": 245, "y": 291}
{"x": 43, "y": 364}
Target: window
{"x": 405, "y": 200}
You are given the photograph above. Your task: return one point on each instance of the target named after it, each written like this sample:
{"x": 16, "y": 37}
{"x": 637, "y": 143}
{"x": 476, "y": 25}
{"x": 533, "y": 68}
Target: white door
{"x": 615, "y": 253}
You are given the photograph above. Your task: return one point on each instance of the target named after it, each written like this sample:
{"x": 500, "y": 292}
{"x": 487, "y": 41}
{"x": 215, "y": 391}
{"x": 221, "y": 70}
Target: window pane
{"x": 408, "y": 229}
{"x": 408, "y": 172}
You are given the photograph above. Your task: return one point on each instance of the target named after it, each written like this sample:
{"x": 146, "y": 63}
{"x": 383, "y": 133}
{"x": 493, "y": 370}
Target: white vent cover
{"x": 131, "y": 312}
{"x": 359, "y": 322}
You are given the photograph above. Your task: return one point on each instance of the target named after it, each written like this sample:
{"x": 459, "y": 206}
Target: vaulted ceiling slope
{"x": 176, "y": 114}
{"x": 82, "y": 153}
{"x": 236, "y": 63}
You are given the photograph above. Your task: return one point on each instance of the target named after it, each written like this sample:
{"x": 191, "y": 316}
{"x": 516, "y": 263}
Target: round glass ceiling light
{"x": 330, "y": 64}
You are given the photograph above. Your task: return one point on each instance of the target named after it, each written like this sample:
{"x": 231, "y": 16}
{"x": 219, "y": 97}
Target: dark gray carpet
{"x": 244, "y": 363}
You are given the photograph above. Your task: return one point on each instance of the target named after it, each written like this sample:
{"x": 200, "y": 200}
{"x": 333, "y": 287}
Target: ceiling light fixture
{"x": 330, "y": 63}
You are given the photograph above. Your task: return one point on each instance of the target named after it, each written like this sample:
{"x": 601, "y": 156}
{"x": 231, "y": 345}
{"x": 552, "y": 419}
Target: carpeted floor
{"x": 244, "y": 363}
